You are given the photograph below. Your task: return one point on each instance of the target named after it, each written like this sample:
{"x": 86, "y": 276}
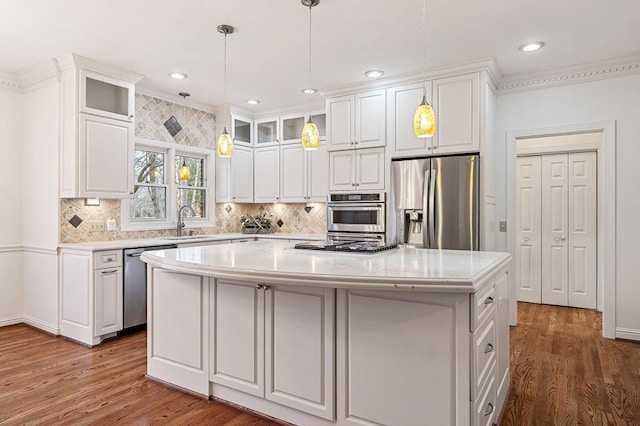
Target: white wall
{"x": 40, "y": 207}
{"x": 11, "y": 217}
{"x": 599, "y": 101}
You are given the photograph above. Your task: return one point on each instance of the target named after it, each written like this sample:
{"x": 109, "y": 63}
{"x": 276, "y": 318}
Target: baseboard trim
{"x": 44, "y": 326}
{"x": 627, "y": 333}
{"x": 10, "y": 321}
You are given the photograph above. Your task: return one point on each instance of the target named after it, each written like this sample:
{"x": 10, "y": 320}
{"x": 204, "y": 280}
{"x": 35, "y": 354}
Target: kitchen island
{"x": 401, "y": 337}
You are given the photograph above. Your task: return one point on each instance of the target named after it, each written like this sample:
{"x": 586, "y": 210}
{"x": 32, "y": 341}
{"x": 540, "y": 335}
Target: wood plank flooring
{"x": 562, "y": 373}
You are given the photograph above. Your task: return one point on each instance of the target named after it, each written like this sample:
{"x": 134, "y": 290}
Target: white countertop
{"x": 150, "y": 242}
{"x": 278, "y": 262}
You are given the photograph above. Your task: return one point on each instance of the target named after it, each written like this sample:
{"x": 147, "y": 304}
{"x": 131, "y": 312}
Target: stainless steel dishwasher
{"x": 134, "y": 299}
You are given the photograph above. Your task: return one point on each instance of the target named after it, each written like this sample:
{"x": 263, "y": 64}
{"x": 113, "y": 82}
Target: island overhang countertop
{"x": 279, "y": 262}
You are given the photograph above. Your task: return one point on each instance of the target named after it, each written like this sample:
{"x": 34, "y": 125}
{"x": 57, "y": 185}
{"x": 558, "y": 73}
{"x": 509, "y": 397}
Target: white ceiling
{"x": 267, "y": 55}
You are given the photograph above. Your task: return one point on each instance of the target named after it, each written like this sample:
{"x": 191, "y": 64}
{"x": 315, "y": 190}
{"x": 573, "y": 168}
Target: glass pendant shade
{"x": 310, "y": 136}
{"x": 183, "y": 171}
{"x": 225, "y": 144}
{"x": 424, "y": 120}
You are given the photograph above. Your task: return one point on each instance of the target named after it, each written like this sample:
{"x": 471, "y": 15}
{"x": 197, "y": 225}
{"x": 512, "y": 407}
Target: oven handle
{"x": 360, "y": 206}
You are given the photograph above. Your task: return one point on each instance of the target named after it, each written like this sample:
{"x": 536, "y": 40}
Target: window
{"x": 150, "y": 189}
{"x": 158, "y": 191}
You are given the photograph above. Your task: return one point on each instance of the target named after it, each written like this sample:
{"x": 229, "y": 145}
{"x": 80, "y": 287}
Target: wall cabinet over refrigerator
{"x": 356, "y": 121}
{"x": 96, "y": 155}
{"x": 357, "y": 170}
{"x": 303, "y": 174}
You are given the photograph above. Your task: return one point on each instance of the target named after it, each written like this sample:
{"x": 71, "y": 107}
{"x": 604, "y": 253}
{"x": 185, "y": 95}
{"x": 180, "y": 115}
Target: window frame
{"x": 171, "y": 150}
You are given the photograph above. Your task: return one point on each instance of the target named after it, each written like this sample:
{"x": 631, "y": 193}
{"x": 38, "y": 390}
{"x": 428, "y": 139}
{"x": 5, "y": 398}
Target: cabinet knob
{"x": 259, "y": 286}
{"x": 488, "y": 348}
{"x": 489, "y": 300}
{"x": 131, "y": 116}
{"x": 526, "y": 238}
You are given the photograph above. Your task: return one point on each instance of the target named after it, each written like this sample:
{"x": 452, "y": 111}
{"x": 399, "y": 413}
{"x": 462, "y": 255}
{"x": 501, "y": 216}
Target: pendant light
{"x": 424, "y": 120}
{"x": 310, "y": 136}
{"x": 183, "y": 171}
{"x": 225, "y": 143}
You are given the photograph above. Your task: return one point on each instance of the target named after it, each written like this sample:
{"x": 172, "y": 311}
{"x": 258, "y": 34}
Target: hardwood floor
{"x": 562, "y": 373}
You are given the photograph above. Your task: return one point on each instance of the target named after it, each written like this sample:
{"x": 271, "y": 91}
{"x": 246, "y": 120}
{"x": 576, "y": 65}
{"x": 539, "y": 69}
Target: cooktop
{"x": 349, "y": 246}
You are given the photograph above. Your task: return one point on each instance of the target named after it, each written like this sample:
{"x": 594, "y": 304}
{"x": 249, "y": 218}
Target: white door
{"x": 242, "y": 175}
{"x": 528, "y": 218}
{"x": 292, "y": 172}
{"x": 370, "y": 119}
{"x": 266, "y": 180}
{"x": 369, "y": 169}
{"x": 582, "y": 230}
{"x": 556, "y": 223}
{"x": 342, "y": 169}
{"x": 555, "y": 215}
{"x": 340, "y": 126}
{"x": 317, "y": 174}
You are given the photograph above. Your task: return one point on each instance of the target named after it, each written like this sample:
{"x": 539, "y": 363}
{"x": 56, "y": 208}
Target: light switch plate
{"x": 503, "y": 226}
{"x": 95, "y": 225}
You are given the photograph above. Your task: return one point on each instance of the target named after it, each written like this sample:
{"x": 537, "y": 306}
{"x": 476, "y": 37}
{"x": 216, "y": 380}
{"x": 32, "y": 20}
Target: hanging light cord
{"x": 424, "y": 47}
{"x": 309, "y": 86}
{"x": 225, "y": 78}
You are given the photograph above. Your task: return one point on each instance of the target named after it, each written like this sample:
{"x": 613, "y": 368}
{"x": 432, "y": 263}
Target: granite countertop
{"x": 150, "y": 242}
{"x": 279, "y": 263}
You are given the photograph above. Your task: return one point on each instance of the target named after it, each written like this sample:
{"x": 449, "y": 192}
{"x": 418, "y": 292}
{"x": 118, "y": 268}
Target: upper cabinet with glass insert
{"x": 242, "y": 130}
{"x": 106, "y": 96}
{"x": 291, "y": 127}
{"x": 267, "y": 131}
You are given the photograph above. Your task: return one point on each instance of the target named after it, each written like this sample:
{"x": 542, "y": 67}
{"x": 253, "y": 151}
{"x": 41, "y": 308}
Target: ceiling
{"x": 267, "y": 55}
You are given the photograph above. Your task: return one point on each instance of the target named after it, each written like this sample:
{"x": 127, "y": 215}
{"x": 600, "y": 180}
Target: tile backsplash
{"x": 75, "y": 220}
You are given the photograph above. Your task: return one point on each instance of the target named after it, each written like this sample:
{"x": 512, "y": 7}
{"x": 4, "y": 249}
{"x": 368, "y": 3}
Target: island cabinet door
{"x": 299, "y": 348}
{"x": 402, "y": 358}
{"x": 237, "y": 336}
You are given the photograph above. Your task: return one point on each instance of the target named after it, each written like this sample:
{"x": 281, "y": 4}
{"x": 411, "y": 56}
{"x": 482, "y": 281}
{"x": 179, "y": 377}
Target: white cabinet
{"x": 356, "y": 121}
{"x": 90, "y": 294}
{"x": 356, "y": 170}
{"x": 108, "y": 290}
{"x": 266, "y": 179}
{"x": 291, "y": 126}
{"x": 96, "y": 155}
{"x": 104, "y": 144}
{"x": 402, "y": 102}
{"x": 241, "y": 130}
{"x": 106, "y": 96}
{"x": 303, "y": 174}
{"x": 275, "y": 342}
{"x": 234, "y": 177}
{"x": 457, "y": 108}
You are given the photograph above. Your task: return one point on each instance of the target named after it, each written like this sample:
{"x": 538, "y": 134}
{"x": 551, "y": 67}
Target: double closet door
{"x": 556, "y": 226}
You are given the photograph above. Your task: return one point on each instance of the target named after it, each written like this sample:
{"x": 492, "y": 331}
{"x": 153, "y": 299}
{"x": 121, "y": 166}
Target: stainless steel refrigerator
{"x": 434, "y": 202}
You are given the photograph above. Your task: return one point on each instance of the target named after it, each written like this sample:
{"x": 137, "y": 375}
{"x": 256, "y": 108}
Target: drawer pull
{"x": 489, "y": 409}
{"x": 489, "y": 300}
{"x": 259, "y": 286}
{"x": 109, "y": 259}
{"x": 111, "y": 271}
{"x": 488, "y": 348}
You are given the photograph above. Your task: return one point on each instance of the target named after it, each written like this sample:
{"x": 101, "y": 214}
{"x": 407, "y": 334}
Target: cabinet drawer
{"x": 484, "y": 356}
{"x": 483, "y": 305}
{"x": 106, "y": 259}
{"x": 484, "y": 409}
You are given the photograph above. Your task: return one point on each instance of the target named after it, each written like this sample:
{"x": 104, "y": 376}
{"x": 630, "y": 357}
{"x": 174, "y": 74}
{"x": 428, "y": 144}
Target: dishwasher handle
{"x": 133, "y": 254}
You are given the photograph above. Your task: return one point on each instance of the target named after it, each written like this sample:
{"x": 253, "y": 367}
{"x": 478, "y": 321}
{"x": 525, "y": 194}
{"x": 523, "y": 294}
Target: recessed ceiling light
{"x": 178, "y": 75}
{"x": 309, "y": 91}
{"x": 252, "y": 101}
{"x": 374, "y": 73}
{"x": 530, "y": 47}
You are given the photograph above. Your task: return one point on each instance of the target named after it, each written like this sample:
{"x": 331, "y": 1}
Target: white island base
{"x": 334, "y": 339}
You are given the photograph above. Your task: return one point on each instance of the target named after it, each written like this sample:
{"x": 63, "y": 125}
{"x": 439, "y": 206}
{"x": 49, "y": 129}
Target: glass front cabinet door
{"x": 106, "y": 96}
{"x": 267, "y": 131}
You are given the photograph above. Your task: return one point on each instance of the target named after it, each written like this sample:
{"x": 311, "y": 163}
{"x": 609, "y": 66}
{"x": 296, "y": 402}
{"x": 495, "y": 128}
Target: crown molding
{"x": 74, "y": 60}
{"x": 486, "y": 64}
{"x": 39, "y": 75}
{"x": 9, "y": 82}
{"x": 582, "y": 73}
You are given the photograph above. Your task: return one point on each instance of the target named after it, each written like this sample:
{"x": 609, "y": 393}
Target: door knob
{"x": 526, "y": 238}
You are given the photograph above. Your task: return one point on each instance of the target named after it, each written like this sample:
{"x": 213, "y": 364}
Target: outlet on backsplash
{"x": 95, "y": 225}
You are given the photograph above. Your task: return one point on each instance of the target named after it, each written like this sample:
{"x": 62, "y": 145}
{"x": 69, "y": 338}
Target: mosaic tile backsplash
{"x": 289, "y": 218}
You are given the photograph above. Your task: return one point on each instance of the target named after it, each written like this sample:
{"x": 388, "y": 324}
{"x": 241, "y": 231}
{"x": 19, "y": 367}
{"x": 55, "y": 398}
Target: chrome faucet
{"x": 181, "y": 224}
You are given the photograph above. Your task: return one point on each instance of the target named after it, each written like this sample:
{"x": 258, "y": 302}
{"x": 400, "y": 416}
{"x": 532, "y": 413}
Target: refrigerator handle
{"x": 432, "y": 209}
{"x": 425, "y": 209}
